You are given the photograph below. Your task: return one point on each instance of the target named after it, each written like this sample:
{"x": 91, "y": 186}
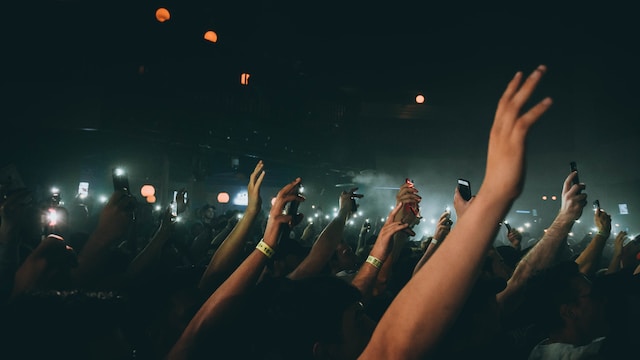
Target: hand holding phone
{"x": 576, "y": 180}
{"x": 464, "y": 188}
{"x": 120, "y": 181}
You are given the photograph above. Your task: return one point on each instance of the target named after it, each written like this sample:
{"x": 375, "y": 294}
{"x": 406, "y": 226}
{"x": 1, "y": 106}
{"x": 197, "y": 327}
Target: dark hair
{"x": 549, "y": 289}
{"x": 297, "y": 313}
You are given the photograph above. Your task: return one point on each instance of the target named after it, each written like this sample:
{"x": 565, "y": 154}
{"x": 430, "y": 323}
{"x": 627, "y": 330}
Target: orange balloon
{"x": 211, "y": 36}
{"x": 162, "y": 15}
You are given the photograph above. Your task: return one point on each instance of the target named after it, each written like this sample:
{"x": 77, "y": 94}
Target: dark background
{"x": 91, "y": 84}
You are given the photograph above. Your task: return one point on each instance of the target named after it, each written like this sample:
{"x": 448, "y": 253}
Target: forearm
{"x": 427, "y": 254}
{"x": 219, "y": 305}
{"x": 589, "y": 257}
{"x": 614, "y": 264}
{"x": 382, "y": 280}
{"x": 229, "y": 254}
{"x": 151, "y": 253}
{"x": 93, "y": 256}
{"x": 426, "y": 306}
{"x": 323, "y": 248}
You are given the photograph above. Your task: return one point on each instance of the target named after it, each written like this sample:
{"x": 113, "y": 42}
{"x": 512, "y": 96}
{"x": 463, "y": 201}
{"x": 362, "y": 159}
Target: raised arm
{"x": 328, "y": 240}
{"x": 115, "y": 219}
{"x": 442, "y": 230}
{"x": 365, "y": 279}
{"x": 222, "y": 302}
{"x": 590, "y": 256}
{"x": 543, "y": 253}
{"x": 229, "y": 254}
{"x": 616, "y": 257}
{"x": 431, "y": 300}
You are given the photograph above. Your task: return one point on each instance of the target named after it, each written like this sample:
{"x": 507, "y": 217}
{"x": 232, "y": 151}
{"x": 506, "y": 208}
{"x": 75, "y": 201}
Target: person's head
{"x": 313, "y": 318}
{"x": 208, "y": 213}
{"x": 566, "y": 302}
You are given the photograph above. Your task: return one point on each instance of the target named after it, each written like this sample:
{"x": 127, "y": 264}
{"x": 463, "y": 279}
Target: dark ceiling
{"x": 332, "y": 83}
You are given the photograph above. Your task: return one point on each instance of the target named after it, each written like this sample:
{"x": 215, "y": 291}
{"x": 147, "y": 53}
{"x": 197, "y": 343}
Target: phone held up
{"x": 574, "y": 167}
{"x": 120, "y": 181}
{"x": 464, "y": 188}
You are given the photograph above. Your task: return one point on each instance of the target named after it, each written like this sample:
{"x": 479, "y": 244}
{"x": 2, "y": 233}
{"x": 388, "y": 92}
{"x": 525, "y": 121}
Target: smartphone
{"x": 464, "y": 187}
{"x": 596, "y": 205}
{"x": 506, "y": 224}
{"x": 174, "y": 204}
{"x": 291, "y": 208}
{"x": 574, "y": 167}
{"x": 120, "y": 181}
{"x": 83, "y": 189}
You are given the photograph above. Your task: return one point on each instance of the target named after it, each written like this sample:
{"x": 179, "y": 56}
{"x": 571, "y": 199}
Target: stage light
{"x": 147, "y": 190}
{"x": 244, "y": 78}
{"x": 544, "y": 197}
{"x": 223, "y": 198}
{"x": 162, "y": 15}
{"x": 211, "y": 36}
{"x": 419, "y": 98}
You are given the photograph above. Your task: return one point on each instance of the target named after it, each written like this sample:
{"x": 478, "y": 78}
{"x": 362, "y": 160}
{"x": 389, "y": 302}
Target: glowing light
{"x": 242, "y": 198}
{"x": 313, "y": 206}
{"x": 383, "y": 219}
{"x": 103, "y": 199}
{"x": 544, "y": 197}
{"x": 554, "y": 198}
{"x": 224, "y": 198}
{"x": 55, "y": 190}
{"x": 326, "y": 216}
{"x": 578, "y": 221}
{"x": 244, "y": 79}
{"x": 147, "y": 190}
{"x": 151, "y": 199}
{"x": 350, "y": 222}
{"x": 119, "y": 171}
{"x": 310, "y": 219}
{"x": 240, "y": 215}
{"x": 316, "y": 215}
{"x": 211, "y": 36}
{"x": 301, "y": 189}
{"x": 419, "y": 98}
{"x": 527, "y": 225}
{"x": 178, "y": 218}
{"x": 162, "y": 15}
{"x": 158, "y": 207}
{"x": 433, "y": 221}
{"x": 52, "y": 217}
{"x": 521, "y": 229}
{"x": 571, "y": 234}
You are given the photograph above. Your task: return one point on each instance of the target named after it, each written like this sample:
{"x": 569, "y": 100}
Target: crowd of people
{"x": 262, "y": 285}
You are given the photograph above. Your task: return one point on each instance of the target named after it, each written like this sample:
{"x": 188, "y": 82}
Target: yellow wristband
{"x": 374, "y": 261}
{"x": 265, "y": 249}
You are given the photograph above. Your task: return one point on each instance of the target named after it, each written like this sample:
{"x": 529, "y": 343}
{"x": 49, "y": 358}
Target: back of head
{"x": 295, "y": 314}
{"x": 548, "y": 290}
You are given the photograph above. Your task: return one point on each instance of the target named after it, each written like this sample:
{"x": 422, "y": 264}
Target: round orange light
{"x": 223, "y": 197}
{"x": 162, "y": 15}
{"x": 147, "y": 190}
{"x": 151, "y": 199}
{"x": 211, "y": 36}
{"x": 420, "y": 98}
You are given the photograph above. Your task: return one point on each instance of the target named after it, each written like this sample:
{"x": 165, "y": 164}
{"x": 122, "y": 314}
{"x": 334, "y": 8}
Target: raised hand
{"x": 409, "y": 213}
{"x": 603, "y": 222}
{"x": 276, "y": 217}
{"x": 116, "y": 216}
{"x": 573, "y": 198}
{"x": 253, "y": 189}
{"x": 443, "y": 227}
{"x": 508, "y": 133}
{"x": 347, "y": 199}
{"x": 384, "y": 243}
